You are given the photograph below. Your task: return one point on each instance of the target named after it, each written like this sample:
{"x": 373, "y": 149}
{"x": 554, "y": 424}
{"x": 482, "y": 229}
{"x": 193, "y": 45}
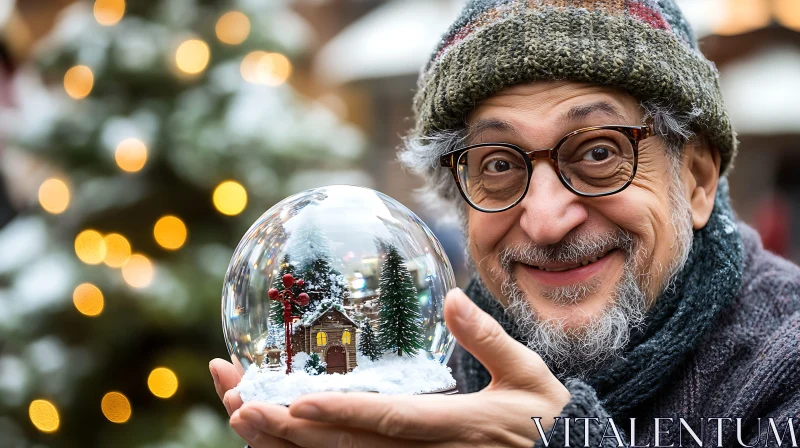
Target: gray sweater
{"x": 746, "y": 365}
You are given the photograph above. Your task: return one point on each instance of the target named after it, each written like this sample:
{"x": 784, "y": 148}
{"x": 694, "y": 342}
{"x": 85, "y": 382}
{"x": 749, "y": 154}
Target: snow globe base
{"x": 390, "y": 375}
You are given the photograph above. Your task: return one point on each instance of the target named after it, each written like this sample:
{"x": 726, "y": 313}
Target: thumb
{"x": 507, "y": 360}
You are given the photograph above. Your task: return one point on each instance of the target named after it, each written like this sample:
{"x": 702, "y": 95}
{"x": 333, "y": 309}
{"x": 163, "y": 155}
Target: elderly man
{"x": 584, "y": 147}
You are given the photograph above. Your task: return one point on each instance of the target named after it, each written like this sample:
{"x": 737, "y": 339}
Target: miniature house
{"x": 331, "y": 334}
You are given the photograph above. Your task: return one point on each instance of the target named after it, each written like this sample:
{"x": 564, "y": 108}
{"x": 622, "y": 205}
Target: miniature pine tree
{"x": 368, "y": 345}
{"x": 315, "y": 366}
{"x": 399, "y": 307}
{"x": 311, "y": 249}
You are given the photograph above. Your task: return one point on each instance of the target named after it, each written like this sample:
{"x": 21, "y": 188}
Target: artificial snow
{"x": 391, "y": 375}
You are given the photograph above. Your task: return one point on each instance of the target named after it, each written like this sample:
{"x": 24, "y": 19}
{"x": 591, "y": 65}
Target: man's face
{"x": 567, "y": 260}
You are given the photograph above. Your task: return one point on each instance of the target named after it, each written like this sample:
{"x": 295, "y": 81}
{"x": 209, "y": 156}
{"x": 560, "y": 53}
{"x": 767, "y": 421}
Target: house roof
{"x": 320, "y": 312}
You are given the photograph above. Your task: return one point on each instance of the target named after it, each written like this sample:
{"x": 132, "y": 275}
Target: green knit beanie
{"x": 645, "y": 47}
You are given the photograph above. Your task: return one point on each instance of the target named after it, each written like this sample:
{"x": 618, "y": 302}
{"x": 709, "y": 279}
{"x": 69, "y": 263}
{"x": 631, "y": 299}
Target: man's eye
{"x": 597, "y": 154}
{"x": 498, "y": 166}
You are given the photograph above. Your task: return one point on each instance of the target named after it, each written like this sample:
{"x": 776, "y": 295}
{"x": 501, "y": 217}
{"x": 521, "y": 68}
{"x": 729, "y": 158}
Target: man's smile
{"x": 563, "y": 274}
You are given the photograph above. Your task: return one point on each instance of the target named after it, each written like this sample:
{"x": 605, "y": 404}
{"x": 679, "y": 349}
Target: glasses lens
{"x": 597, "y": 162}
{"x": 492, "y": 177}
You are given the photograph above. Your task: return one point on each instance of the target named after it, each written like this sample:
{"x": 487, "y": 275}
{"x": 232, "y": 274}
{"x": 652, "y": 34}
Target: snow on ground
{"x": 391, "y": 375}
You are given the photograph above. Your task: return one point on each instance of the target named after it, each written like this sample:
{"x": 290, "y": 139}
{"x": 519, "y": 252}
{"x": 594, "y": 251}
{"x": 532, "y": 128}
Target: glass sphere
{"x": 330, "y": 259}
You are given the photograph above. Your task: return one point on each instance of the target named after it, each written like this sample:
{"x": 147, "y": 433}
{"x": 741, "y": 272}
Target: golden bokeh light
{"x": 116, "y": 407}
{"x": 232, "y": 28}
{"x": 163, "y": 382}
{"x": 78, "y": 81}
{"x": 230, "y": 198}
{"x": 131, "y": 155}
{"x": 192, "y": 56}
{"x": 90, "y": 247}
{"x": 44, "y": 415}
{"x": 170, "y": 232}
{"x": 88, "y": 299}
{"x": 118, "y": 250}
{"x": 54, "y": 196}
{"x": 260, "y": 67}
{"x": 788, "y": 13}
{"x": 742, "y": 16}
{"x": 249, "y": 66}
{"x": 274, "y": 69}
{"x": 109, "y": 12}
{"x": 138, "y": 271}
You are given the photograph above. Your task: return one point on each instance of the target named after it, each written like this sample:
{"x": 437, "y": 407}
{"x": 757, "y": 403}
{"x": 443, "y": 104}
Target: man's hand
{"x": 500, "y": 415}
{"x": 226, "y": 377}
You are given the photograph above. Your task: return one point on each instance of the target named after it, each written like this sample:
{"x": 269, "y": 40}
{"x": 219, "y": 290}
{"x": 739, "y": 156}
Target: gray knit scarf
{"x": 682, "y": 316}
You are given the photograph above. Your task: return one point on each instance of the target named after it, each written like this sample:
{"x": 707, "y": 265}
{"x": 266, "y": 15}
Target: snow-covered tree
{"x": 315, "y": 366}
{"x": 400, "y": 326}
{"x": 368, "y": 344}
{"x": 310, "y": 247}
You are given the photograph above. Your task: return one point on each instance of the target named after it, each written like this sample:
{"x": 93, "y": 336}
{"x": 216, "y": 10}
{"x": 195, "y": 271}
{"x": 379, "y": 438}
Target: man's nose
{"x": 550, "y": 211}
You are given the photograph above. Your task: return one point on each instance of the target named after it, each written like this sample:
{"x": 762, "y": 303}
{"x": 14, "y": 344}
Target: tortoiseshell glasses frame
{"x": 632, "y": 134}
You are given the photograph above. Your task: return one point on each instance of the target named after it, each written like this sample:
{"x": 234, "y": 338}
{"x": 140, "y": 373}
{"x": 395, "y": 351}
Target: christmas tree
{"x": 368, "y": 345}
{"x": 400, "y": 327}
{"x": 165, "y": 128}
{"x": 315, "y": 366}
{"x": 276, "y": 308}
{"x": 311, "y": 248}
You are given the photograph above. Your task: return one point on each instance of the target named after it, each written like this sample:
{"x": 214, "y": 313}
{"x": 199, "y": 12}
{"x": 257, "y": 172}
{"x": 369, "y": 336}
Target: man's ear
{"x": 701, "y": 176}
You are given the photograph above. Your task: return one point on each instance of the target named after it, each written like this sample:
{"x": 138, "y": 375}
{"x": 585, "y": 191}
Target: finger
{"x": 254, "y": 437}
{"x": 428, "y": 418}
{"x": 482, "y": 336}
{"x": 225, "y": 375}
{"x": 276, "y": 422}
{"x": 232, "y": 401}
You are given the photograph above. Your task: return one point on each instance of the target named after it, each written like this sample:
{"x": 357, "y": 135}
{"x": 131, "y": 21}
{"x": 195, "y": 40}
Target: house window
{"x": 346, "y": 337}
{"x": 322, "y": 339}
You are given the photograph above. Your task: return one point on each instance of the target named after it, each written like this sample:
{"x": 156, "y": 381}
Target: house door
{"x": 336, "y": 360}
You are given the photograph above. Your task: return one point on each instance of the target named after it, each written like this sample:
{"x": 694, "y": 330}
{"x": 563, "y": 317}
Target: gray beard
{"x": 578, "y": 352}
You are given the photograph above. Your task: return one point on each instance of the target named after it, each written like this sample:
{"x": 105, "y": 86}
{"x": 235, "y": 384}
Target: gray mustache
{"x": 572, "y": 249}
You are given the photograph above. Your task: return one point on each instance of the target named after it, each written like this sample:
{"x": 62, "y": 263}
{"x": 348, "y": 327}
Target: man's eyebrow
{"x": 583, "y": 111}
{"x": 489, "y": 124}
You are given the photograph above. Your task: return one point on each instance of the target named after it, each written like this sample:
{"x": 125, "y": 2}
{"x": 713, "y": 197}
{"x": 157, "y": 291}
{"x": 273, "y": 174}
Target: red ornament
{"x": 303, "y": 299}
{"x": 301, "y": 283}
{"x": 273, "y": 294}
{"x": 288, "y": 280}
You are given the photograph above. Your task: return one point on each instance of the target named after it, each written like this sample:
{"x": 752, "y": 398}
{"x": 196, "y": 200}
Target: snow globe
{"x": 338, "y": 288}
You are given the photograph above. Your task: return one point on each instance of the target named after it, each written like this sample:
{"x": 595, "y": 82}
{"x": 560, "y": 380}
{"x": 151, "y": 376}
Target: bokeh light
{"x": 138, "y": 271}
{"x": 44, "y": 415}
{"x": 118, "y": 250}
{"x": 743, "y": 16}
{"x": 90, "y": 247}
{"x": 788, "y": 13}
{"x": 109, "y": 12}
{"x": 163, "y": 382}
{"x": 260, "y": 67}
{"x": 131, "y": 155}
{"x": 116, "y": 407}
{"x": 249, "y": 66}
{"x": 54, "y": 196}
{"x": 232, "y": 28}
{"x": 78, "y": 81}
{"x": 274, "y": 69}
{"x": 192, "y": 56}
{"x": 230, "y": 198}
{"x": 88, "y": 299}
{"x": 170, "y": 232}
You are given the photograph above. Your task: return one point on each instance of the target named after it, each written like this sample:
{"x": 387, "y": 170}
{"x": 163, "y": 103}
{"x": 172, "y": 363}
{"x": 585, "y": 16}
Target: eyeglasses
{"x": 591, "y": 162}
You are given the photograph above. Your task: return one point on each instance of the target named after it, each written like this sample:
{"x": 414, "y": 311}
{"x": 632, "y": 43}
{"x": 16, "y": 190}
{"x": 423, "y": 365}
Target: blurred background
{"x": 139, "y": 141}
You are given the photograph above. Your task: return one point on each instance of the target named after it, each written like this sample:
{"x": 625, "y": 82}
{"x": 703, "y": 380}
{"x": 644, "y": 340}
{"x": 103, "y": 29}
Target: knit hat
{"x": 645, "y": 47}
